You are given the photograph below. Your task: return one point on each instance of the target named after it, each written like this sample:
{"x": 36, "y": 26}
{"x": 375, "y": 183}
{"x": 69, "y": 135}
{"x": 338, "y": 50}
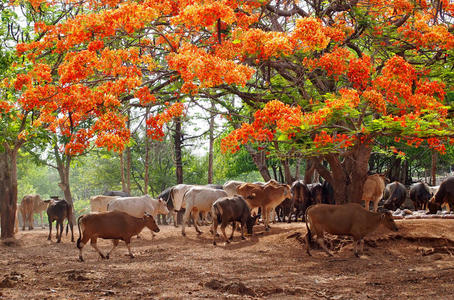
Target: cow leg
{"x": 30, "y": 221}
{"x": 128, "y": 244}
{"x": 115, "y": 244}
{"x": 223, "y": 226}
{"x": 41, "y": 217}
{"x": 59, "y": 234}
{"x": 321, "y": 242}
{"x": 356, "y": 244}
{"x": 366, "y": 204}
{"x": 186, "y": 215}
{"x": 24, "y": 218}
{"x": 233, "y": 230}
{"x": 50, "y": 230}
{"x": 265, "y": 216}
{"x": 376, "y": 204}
{"x": 243, "y": 223}
{"x": 196, "y": 214}
{"x": 214, "y": 229}
{"x": 95, "y": 246}
{"x": 71, "y": 227}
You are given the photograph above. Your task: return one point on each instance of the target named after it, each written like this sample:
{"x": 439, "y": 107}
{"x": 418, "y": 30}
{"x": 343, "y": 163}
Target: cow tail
{"x": 309, "y": 234}
{"x": 217, "y": 212}
{"x": 80, "y": 235}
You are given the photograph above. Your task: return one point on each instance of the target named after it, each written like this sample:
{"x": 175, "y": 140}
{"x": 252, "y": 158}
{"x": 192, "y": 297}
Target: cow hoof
{"x": 267, "y": 228}
{"x": 81, "y": 258}
{"x": 199, "y": 232}
{"x": 243, "y": 238}
{"x": 132, "y": 256}
{"x": 58, "y": 241}
{"x": 183, "y": 234}
{"x": 48, "y": 238}
{"x": 102, "y": 256}
{"x": 227, "y": 242}
{"x": 107, "y": 256}
{"x": 357, "y": 255}
{"x": 214, "y": 243}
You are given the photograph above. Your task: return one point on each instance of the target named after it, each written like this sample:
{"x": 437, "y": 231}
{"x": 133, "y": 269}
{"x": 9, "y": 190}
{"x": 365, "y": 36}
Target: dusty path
{"x": 396, "y": 266}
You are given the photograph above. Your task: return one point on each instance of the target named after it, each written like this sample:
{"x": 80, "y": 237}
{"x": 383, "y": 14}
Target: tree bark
{"x": 259, "y": 158}
{"x": 210, "y": 147}
{"x": 347, "y": 176}
{"x": 122, "y": 172}
{"x": 309, "y": 172}
{"x": 177, "y": 137}
{"x": 147, "y": 157}
{"x": 63, "y": 168}
{"x": 433, "y": 169}
{"x": 128, "y": 159}
{"x": 8, "y": 190}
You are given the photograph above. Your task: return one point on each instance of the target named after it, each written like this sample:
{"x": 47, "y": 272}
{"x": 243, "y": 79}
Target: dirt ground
{"x": 416, "y": 262}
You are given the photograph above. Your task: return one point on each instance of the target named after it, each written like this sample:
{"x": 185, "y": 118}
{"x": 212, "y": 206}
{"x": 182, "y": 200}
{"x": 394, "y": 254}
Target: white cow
{"x": 99, "y": 203}
{"x": 231, "y": 187}
{"x": 138, "y": 206}
{"x": 199, "y": 199}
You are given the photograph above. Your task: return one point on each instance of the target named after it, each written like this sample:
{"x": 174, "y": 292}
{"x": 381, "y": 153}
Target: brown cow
{"x": 347, "y": 219}
{"x": 267, "y": 197}
{"x": 373, "y": 190}
{"x": 114, "y": 225}
{"x": 32, "y": 204}
{"x": 99, "y": 203}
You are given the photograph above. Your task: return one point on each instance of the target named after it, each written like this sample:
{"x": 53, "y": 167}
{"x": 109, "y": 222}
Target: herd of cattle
{"x": 119, "y": 217}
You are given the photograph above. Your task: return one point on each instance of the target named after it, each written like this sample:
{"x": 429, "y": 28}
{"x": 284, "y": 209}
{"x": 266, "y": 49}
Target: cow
{"x": 316, "y": 190}
{"x": 199, "y": 199}
{"x": 328, "y": 193}
{"x": 420, "y": 195}
{"x": 444, "y": 195}
{"x": 231, "y": 209}
{"x": 397, "y": 195}
{"x": 59, "y": 210}
{"x": 166, "y": 196}
{"x": 231, "y": 187}
{"x": 347, "y": 219}
{"x": 373, "y": 190}
{"x": 266, "y": 197}
{"x": 177, "y": 195}
{"x": 117, "y": 194}
{"x": 114, "y": 225}
{"x": 300, "y": 201}
{"x": 99, "y": 203}
{"x": 30, "y": 205}
{"x": 138, "y": 206}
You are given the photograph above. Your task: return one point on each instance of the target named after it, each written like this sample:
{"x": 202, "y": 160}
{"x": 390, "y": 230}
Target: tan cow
{"x": 347, "y": 219}
{"x": 32, "y": 204}
{"x": 267, "y": 197}
{"x": 373, "y": 190}
{"x": 99, "y": 203}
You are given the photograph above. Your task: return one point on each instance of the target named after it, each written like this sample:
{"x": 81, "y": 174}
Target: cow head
{"x": 162, "y": 207}
{"x": 250, "y": 222}
{"x": 388, "y": 221}
{"x": 150, "y": 222}
{"x": 433, "y": 206}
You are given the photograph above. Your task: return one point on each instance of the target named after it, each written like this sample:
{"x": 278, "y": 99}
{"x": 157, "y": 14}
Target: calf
{"x": 59, "y": 210}
{"x": 114, "y": 225}
{"x": 32, "y": 204}
{"x": 373, "y": 190}
{"x": 347, "y": 219}
{"x": 231, "y": 209}
{"x": 397, "y": 195}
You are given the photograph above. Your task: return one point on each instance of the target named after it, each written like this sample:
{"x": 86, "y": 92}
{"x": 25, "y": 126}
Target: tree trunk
{"x": 147, "y": 157}
{"x": 259, "y": 158}
{"x": 210, "y": 147}
{"x": 309, "y": 173}
{"x": 347, "y": 176}
{"x": 177, "y": 137}
{"x": 287, "y": 174}
{"x": 128, "y": 159}
{"x": 297, "y": 169}
{"x": 63, "y": 168}
{"x": 8, "y": 190}
{"x": 122, "y": 172}
{"x": 433, "y": 169}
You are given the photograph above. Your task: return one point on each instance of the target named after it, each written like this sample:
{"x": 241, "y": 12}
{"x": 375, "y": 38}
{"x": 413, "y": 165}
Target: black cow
{"x": 397, "y": 195}
{"x": 420, "y": 195}
{"x": 59, "y": 210}
{"x": 445, "y": 194}
{"x": 301, "y": 199}
{"x": 231, "y": 209}
{"x": 117, "y": 194}
{"x": 316, "y": 192}
{"x": 215, "y": 186}
{"x": 166, "y": 195}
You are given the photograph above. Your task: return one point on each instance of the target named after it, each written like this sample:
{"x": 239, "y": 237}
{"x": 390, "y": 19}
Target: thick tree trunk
{"x": 128, "y": 159}
{"x": 297, "y": 169}
{"x": 8, "y": 190}
{"x": 177, "y": 137}
{"x": 287, "y": 174}
{"x": 347, "y": 176}
{"x": 309, "y": 172}
{"x": 259, "y": 158}
{"x": 211, "y": 143}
